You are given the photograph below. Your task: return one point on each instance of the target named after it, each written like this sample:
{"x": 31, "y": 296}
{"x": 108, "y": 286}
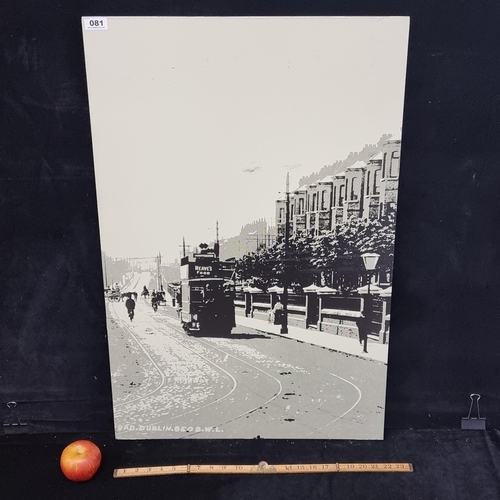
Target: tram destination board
{"x": 263, "y": 468}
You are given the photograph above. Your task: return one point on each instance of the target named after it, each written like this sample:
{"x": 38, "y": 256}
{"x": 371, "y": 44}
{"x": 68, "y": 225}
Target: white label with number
{"x": 95, "y": 23}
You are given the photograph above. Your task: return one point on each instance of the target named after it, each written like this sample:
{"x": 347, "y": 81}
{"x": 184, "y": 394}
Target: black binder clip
{"x": 13, "y": 425}
{"x": 474, "y": 423}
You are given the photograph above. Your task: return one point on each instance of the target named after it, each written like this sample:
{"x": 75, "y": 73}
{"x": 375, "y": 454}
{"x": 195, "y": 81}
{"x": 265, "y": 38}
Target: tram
{"x": 205, "y": 301}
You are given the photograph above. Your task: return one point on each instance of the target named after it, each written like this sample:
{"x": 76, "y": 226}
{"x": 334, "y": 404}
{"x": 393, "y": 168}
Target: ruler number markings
{"x": 263, "y": 467}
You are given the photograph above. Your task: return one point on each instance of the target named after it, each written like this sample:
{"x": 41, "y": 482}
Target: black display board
{"x": 444, "y": 339}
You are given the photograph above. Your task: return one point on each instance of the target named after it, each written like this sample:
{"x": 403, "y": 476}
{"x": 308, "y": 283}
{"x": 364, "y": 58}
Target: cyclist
{"x": 155, "y": 298}
{"x": 130, "y": 305}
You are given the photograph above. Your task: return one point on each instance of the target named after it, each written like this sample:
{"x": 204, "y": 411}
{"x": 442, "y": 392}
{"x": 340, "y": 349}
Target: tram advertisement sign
{"x": 204, "y": 270}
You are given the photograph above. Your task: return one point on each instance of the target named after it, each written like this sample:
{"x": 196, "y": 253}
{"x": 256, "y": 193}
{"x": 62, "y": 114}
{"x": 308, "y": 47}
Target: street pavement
{"x": 376, "y": 352}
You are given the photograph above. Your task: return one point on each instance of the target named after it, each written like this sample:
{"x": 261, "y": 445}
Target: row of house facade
{"x": 365, "y": 190}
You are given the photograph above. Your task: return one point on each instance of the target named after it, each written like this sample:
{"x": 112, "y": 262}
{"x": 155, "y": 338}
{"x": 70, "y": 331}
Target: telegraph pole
{"x": 158, "y": 265}
{"x": 216, "y": 245}
{"x": 284, "y": 325}
{"x": 105, "y": 270}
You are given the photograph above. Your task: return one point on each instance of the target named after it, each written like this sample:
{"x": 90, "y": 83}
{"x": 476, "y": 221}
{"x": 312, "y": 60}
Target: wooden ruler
{"x": 262, "y": 468}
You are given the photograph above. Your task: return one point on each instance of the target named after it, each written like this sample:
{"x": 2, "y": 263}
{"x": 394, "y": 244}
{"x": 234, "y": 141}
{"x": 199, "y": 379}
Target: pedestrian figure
{"x": 364, "y": 322}
{"x": 276, "y": 316}
{"x": 130, "y": 305}
{"x": 145, "y": 292}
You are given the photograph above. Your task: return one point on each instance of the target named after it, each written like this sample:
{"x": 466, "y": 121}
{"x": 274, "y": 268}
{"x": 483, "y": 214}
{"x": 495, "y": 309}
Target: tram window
{"x": 196, "y": 295}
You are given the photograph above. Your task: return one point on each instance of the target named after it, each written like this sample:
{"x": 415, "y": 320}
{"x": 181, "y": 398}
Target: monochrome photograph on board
{"x": 247, "y": 176}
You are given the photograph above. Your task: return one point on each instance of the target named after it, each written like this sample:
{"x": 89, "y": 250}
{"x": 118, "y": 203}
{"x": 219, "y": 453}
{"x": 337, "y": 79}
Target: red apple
{"x": 80, "y": 460}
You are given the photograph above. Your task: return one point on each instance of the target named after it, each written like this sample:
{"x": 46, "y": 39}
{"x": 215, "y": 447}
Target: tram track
{"x": 358, "y": 390}
{"x": 360, "y": 395}
{"x": 158, "y": 369}
{"x": 235, "y": 383}
{"x": 227, "y": 355}
{"x": 168, "y": 322}
{"x": 125, "y": 325}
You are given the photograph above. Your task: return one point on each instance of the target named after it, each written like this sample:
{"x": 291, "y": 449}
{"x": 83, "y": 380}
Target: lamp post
{"x": 284, "y": 324}
{"x": 370, "y": 261}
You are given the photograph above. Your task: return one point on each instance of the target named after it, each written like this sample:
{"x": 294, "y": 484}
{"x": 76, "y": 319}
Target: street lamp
{"x": 370, "y": 260}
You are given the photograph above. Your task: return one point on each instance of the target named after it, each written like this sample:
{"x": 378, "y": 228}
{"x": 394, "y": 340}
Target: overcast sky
{"x": 198, "y": 119}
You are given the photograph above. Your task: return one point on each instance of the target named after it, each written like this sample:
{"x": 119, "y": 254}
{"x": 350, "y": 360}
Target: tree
{"x": 339, "y": 251}
{"x": 335, "y": 254}
{"x": 262, "y": 268}
{"x": 300, "y": 267}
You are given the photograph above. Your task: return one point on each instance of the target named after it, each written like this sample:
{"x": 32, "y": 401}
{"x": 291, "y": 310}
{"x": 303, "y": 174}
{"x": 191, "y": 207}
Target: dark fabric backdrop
{"x": 448, "y": 464}
{"x": 445, "y": 341}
